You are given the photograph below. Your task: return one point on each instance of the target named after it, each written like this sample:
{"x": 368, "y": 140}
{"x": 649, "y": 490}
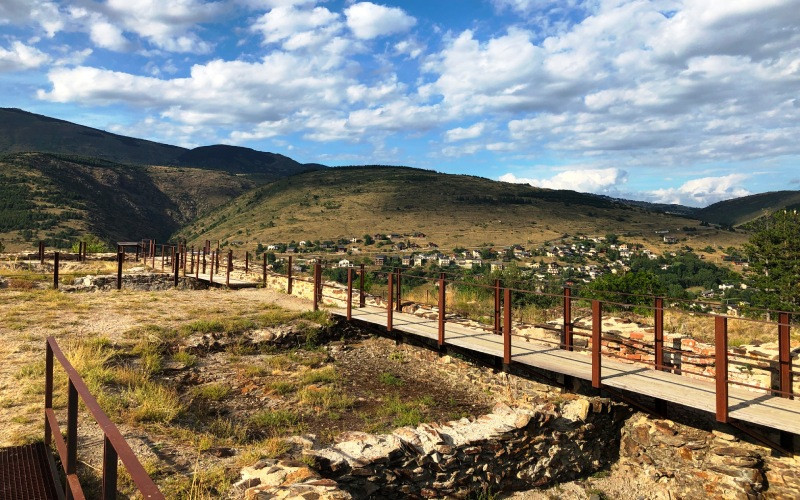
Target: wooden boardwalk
{"x": 219, "y": 280}
{"x": 748, "y": 406}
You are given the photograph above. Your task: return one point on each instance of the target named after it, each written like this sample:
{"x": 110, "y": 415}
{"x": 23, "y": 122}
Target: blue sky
{"x": 675, "y": 101}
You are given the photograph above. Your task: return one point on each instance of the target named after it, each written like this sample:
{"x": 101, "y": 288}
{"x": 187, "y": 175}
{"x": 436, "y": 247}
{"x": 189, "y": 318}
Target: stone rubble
{"x": 509, "y": 448}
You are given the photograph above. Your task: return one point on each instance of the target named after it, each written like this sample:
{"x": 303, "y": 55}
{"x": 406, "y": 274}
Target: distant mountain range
{"x": 59, "y": 179}
{"x": 22, "y": 132}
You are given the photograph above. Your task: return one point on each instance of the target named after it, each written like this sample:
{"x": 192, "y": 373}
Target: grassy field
{"x": 196, "y": 391}
{"x": 452, "y": 210}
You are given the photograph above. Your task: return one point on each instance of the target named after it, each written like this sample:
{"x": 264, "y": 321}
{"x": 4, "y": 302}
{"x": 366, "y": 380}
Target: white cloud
{"x": 299, "y": 28}
{"x": 460, "y": 133}
{"x": 586, "y": 180}
{"x": 368, "y": 20}
{"x": 20, "y": 57}
{"x": 703, "y": 191}
{"x": 42, "y": 13}
{"x": 412, "y": 48}
{"x": 107, "y": 36}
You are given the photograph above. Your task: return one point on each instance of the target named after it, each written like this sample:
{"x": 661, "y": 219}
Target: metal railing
{"x": 114, "y": 445}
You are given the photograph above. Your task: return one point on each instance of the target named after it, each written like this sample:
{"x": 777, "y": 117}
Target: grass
{"x": 405, "y": 413}
{"x": 274, "y": 422}
{"x": 328, "y": 398}
{"x": 212, "y": 392}
{"x": 325, "y": 375}
{"x": 184, "y": 358}
{"x": 390, "y": 379}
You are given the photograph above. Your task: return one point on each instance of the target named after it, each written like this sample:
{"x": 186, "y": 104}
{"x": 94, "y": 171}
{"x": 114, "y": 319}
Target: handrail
{"x": 114, "y": 445}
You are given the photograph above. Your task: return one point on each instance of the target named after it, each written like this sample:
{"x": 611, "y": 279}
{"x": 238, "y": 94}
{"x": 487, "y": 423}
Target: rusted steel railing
{"x": 115, "y": 448}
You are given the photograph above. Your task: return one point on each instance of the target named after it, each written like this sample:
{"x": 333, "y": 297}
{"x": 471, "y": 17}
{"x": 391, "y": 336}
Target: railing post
{"x": 506, "y": 328}
{"x": 48, "y": 390}
{"x": 55, "y": 269}
{"x": 72, "y": 433}
{"x": 177, "y": 265}
{"x": 211, "y": 268}
{"x": 399, "y": 290}
{"x": 119, "y": 270}
{"x": 389, "y": 297}
{"x": 597, "y": 334}
{"x": 362, "y": 299}
{"x": 153, "y": 253}
{"x": 316, "y": 286}
{"x": 264, "y": 270}
{"x": 216, "y": 257}
{"x": 659, "y": 333}
{"x": 289, "y": 277}
{"x": 497, "y": 329}
{"x": 721, "y": 366}
{"x": 137, "y": 253}
{"x": 197, "y": 267}
{"x": 204, "y": 260}
{"x": 172, "y": 253}
{"x": 184, "y": 256}
{"x": 229, "y": 267}
{"x": 349, "y": 293}
{"x": 567, "y": 334}
{"x": 162, "y": 256}
{"x": 41, "y": 252}
{"x": 109, "y": 470}
{"x": 784, "y": 355}
{"x": 442, "y": 306}
{"x": 246, "y": 262}
{"x": 191, "y": 265}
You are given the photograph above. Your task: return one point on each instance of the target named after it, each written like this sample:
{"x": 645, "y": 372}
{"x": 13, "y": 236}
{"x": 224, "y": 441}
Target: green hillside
{"x": 452, "y": 210}
{"x": 57, "y": 197}
{"x": 748, "y": 208}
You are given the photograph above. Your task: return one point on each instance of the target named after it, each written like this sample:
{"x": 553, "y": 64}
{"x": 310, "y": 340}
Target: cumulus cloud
{"x": 460, "y": 133}
{"x": 368, "y": 20}
{"x": 20, "y": 57}
{"x": 703, "y": 191}
{"x": 586, "y": 180}
{"x": 297, "y": 27}
{"x": 41, "y": 13}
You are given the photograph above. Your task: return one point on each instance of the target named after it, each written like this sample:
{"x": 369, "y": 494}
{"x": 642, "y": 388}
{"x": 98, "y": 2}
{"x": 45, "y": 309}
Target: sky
{"x": 669, "y": 101}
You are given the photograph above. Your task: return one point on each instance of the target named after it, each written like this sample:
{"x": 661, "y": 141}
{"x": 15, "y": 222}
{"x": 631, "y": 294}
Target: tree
{"x": 774, "y": 254}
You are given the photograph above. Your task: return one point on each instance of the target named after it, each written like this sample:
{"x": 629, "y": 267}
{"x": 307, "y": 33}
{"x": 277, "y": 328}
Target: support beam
{"x": 497, "y": 293}
{"x": 119, "y": 270}
{"x": 55, "y": 269}
{"x": 361, "y": 297}
{"x": 597, "y": 335}
{"x": 566, "y": 332}
{"x": 349, "y": 293}
{"x": 442, "y": 307}
{"x": 659, "y": 333}
{"x": 784, "y": 356}
{"x": 507, "y": 328}
{"x": 721, "y": 366}
{"x": 289, "y": 277}
{"x": 389, "y": 297}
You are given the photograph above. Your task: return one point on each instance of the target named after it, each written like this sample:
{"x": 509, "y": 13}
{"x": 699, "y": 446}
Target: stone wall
{"x": 507, "y": 449}
{"x": 688, "y": 462}
{"x": 140, "y": 282}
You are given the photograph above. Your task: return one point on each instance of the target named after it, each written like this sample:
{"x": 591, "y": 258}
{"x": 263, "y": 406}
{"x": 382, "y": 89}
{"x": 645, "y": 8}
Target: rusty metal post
{"x": 289, "y": 277}
{"x": 721, "y": 366}
{"x": 191, "y": 263}
{"x": 177, "y": 265}
{"x": 211, "y": 269}
{"x": 216, "y": 257}
{"x": 184, "y": 256}
{"x": 162, "y": 257}
{"x": 597, "y": 334}
{"x": 659, "y": 333}
{"x": 442, "y": 306}
{"x": 497, "y": 327}
{"x": 389, "y": 297}
{"x": 197, "y": 267}
{"x": 55, "y": 269}
{"x": 109, "y": 470}
{"x": 784, "y": 355}
{"x": 316, "y": 286}
{"x": 48, "y": 390}
{"x": 362, "y": 299}
{"x": 41, "y": 252}
{"x": 399, "y": 290}
{"x": 119, "y": 270}
{"x": 507, "y": 328}
{"x": 567, "y": 334}
{"x": 264, "y": 271}
{"x": 204, "y": 260}
{"x": 153, "y": 253}
{"x": 72, "y": 433}
{"x": 228, "y": 269}
{"x": 173, "y": 252}
{"x": 349, "y": 293}
{"x": 137, "y": 253}
{"x": 246, "y": 262}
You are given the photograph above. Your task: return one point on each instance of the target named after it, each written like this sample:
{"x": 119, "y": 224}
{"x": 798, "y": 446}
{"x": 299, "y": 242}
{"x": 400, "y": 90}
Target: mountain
{"x": 748, "y": 208}
{"x": 58, "y": 198}
{"x": 452, "y": 210}
{"x": 21, "y": 131}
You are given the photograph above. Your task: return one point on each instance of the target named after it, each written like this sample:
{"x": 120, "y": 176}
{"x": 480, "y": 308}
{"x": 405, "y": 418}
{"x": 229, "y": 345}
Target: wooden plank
{"x": 749, "y": 406}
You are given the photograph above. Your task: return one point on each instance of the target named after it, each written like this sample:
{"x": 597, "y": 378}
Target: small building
{"x": 496, "y": 266}
{"x": 406, "y": 260}
{"x": 380, "y": 260}
{"x": 345, "y": 263}
{"x": 291, "y": 250}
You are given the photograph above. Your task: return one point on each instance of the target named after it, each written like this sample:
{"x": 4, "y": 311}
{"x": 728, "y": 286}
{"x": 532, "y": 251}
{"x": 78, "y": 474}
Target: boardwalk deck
{"x": 219, "y": 280}
{"x": 748, "y": 406}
